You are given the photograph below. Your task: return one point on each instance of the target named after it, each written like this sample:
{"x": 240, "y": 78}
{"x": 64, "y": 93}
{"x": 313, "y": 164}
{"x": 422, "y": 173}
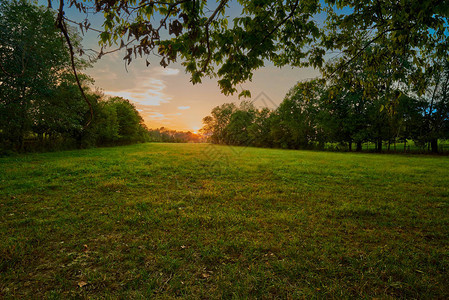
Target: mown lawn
{"x": 201, "y": 221}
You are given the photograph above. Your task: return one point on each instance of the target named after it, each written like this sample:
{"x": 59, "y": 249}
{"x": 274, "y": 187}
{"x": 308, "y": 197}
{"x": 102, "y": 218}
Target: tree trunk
{"x": 359, "y": 147}
{"x": 21, "y": 143}
{"x": 350, "y": 146}
{"x": 40, "y": 137}
{"x": 379, "y": 145}
{"x": 405, "y": 145}
{"x": 434, "y": 145}
{"x": 79, "y": 140}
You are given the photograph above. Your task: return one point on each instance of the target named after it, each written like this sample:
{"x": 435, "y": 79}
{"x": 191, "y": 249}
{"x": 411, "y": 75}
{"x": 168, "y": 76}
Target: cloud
{"x": 157, "y": 116}
{"x": 147, "y": 87}
{"x": 183, "y": 107}
{"x": 166, "y": 71}
{"x": 151, "y": 92}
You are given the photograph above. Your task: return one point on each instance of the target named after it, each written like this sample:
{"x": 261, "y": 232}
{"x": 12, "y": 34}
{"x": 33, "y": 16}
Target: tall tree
{"x": 296, "y": 123}
{"x": 436, "y": 108}
{"x": 62, "y": 112}
{"x": 130, "y": 123}
{"x": 215, "y": 124}
{"x": 33, "y": 58}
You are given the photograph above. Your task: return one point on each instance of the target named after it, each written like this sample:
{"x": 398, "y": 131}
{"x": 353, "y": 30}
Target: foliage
{"x": 232, "y": 40}
{"x": 435, "y": 103}
{"x": 116, "y": 122}
{"x": 129, "y": 122}
{"x": 236, "y": 125}
{"x": 33, "y": 61}
{"x": 364, "y": 103}
{"x": 295, "y": 124}
{"x": 166, "y": 135}
{"x": 315, "y": 113}
{"x": 215, "y": 125}
{"x": 41, "y": 106}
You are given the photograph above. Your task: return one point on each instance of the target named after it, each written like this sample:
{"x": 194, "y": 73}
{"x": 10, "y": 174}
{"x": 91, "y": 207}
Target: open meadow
{"x": 203, "y": 221}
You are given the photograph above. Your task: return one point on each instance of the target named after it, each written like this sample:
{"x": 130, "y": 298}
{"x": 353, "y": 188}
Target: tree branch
{"x": 211, "y": 18}
{"x": 80, "y": 24}
{"x": 344, "y": 64}
{"x": 62, "y": 26}
{"x": 295, "y": 6}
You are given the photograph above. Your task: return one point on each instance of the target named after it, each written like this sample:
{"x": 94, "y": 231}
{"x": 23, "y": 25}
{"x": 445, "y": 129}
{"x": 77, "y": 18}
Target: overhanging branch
{"x": 60, "y": 23}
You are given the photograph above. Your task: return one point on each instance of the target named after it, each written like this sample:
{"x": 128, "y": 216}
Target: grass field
{"x": 202, "y": 221}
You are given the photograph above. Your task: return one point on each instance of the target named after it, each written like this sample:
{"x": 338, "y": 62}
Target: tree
{"x": 284, "y": 32}
{"x": 260, "y": 129}
{"x": 40, "y": 99}
{"x": 62, "y": 112}
{"x": 33, "y": 74}
{"x": 317, "y": 112}
{"x": 410, "y": 118}
{"x": 106, "y": 124}
{"x": 129, "y": 122}
{"x": 236, "y": 131}
{"x": 367, "y": 92}
{"x": 116, "y": 122}
{"x": 435, "y": 101}
{"x": 215, "y": 124}
{"x": 242, "y": 125}
{"x": 295, "y": 124}
{"x": 343, "y": 117}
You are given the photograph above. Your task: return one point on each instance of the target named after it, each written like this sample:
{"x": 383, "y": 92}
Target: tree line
{"x": 345, "y": 113}
{"x": 387, "y": 89}
{"x": 166, "y": 135}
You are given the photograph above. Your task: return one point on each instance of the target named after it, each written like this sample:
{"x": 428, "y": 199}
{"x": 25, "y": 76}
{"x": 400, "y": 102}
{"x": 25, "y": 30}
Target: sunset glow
{"x": 167, "y": 98}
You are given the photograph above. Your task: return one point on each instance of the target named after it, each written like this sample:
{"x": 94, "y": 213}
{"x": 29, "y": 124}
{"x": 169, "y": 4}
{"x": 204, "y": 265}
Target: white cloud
{"x": 183, "y": 107}
{"x": 155, "y": 115}
{"x": 165, "y": 71}
{"x": 147, "y": 89}
{"x": 150, "y": 93}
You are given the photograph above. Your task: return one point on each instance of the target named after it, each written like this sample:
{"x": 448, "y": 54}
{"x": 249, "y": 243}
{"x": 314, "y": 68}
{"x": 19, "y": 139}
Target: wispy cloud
{"x": 183, "y": 107}
{"x": 149, "y": 89}
{"x": 166, "y": 71}
{"x": 158, "y": 116}
{"x": 150, "y": 93}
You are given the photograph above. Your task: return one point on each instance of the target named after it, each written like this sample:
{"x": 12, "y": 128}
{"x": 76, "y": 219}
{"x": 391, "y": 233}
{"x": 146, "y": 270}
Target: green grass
{"x": 201, "y": 221}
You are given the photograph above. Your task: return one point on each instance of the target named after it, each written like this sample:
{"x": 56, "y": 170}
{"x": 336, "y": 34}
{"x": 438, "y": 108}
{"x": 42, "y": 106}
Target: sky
{"x": 165, "y": 97}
